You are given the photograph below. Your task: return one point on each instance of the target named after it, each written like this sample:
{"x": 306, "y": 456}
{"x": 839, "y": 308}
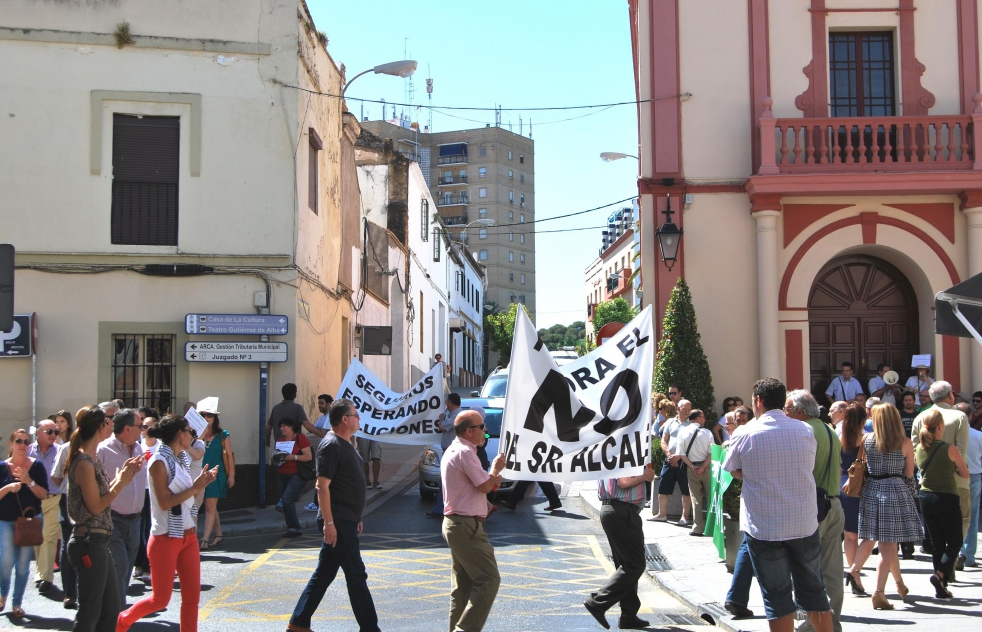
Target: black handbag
{"x": 824, "y": 502}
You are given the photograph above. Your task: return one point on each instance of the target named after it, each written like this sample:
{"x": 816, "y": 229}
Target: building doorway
{"x": 862, "y": 310}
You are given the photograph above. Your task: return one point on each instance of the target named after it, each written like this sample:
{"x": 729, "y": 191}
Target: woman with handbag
{"x": 291, "y": 484}
{"x": 851, "y": 437}
{"x": 90, "y": 493}
{"x": 173, "y": 540}
{"x": 887, "y": 514}
{"x": 939, "y": 462}
{"x": 24, "y": 483}
{"x": 218, "y": 450}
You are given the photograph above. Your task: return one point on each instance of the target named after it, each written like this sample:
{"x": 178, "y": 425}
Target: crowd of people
{"x": 909, "y": 457}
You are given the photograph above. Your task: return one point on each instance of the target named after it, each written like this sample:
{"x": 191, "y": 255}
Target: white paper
{"x": 196, "y": 421}
{"x": 285, "y": 446}
{"x": 923, "y": 359}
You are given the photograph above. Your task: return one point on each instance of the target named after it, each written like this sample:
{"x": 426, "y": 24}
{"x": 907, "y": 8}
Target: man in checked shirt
{"x": 621, "y": 502}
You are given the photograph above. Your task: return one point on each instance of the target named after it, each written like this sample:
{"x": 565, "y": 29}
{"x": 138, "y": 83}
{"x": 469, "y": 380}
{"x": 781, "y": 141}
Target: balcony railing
{"x": 851, "y": 144}
{"x": 451, "y": 200}
{"x": 451, "y": 160}
{"x": 455, "y": 220}
{"x": 616, "y": 287}
{"x": 444, "y": 180}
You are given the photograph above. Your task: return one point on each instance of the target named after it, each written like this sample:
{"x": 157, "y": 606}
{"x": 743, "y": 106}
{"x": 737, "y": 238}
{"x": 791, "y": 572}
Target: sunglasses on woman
{"x": 22, "y": 441}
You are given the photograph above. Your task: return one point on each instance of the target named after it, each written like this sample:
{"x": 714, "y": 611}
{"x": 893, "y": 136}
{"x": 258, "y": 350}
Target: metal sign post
{"x": 263, "y": 387}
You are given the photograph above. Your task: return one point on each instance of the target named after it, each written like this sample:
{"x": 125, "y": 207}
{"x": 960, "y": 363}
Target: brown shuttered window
{"x": 315, "y": 146}
{"x": 146, "y": 154}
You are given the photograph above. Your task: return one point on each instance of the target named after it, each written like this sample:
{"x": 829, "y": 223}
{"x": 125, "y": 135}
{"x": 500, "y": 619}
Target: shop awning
{"x": 958, "y": 310}
{"x": 456, "y": 149}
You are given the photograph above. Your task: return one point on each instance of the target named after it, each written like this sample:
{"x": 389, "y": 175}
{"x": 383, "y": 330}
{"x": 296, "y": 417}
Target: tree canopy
{"x": 559, "y": 336}
{"x": 500, "y": 329}
{"x": 615, "y": 311}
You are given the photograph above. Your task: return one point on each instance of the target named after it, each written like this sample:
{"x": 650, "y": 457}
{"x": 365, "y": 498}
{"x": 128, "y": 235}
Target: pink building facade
{"x": 833, "y": 153}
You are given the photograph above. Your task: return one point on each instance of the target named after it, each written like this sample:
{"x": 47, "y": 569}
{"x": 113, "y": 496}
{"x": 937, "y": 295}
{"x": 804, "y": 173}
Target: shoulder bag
{"x": 682, "y": 464}
{"x": 824, "y": 502}
{"x": 27, "y": 531}
{"x": 224, "y": 454}
{"x": 306, "y": 469}
{"x": 857, "y": 473}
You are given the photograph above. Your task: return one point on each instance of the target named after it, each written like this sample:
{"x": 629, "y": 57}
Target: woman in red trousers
{"x": 173, "y": 538}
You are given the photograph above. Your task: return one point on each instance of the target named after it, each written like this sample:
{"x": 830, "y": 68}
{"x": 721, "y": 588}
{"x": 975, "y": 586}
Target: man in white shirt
{"x": 888, "y": 393}
{"x": 695, "y": 445}
{"x": 671, "y": 471}
{"x": 844, "y": 386}
{"x": 973, "y": 459}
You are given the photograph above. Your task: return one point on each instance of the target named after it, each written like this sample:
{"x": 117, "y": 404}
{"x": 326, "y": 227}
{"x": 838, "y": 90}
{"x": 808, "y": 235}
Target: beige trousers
{"x": 699, "y": 493}
{"x": 965, "y": 504}
{"x": 46, "y": 553}
{"x": 474, "y": 577}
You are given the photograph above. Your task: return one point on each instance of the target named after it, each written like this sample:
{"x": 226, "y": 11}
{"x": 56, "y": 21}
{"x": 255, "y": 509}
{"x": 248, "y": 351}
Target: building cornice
{"x": 139, "y": 41}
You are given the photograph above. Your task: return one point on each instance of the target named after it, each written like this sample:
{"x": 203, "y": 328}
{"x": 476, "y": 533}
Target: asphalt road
{"x": 549, "y": 564}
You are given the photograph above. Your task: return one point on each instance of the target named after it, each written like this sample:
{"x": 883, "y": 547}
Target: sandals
{"x": 203, "y": 545}
{"x": 218, "y": 540}
{"x": 940, "y": 588}
{"x": 18, "y": 612}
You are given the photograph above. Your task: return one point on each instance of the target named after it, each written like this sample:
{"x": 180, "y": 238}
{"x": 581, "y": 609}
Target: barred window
{"x": 144, "y": 370}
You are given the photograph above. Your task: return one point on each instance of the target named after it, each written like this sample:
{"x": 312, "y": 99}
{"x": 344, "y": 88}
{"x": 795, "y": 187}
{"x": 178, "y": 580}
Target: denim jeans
{"x": 972, "y": 537}
{"x": 783, "y": 567}
{"x": 344, "y": 555}
{"x": 11, "y": 556}
{"x": 98, "y": 596}
{"x": 743, "y": 575}
{"x": 69, "y": 580}
{"x": 290, "y": 487}
{"x": 124, "y": 545}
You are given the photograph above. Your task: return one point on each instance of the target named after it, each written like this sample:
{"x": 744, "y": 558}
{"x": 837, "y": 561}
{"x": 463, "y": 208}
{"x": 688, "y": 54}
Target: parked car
{"x": 495, "y": 385}
{"x": 429, "y": 464}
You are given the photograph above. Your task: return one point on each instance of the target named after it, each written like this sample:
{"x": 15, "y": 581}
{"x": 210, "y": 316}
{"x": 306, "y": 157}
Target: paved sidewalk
{"x": 399, "y": 465}
{"x": 689, "y": 568}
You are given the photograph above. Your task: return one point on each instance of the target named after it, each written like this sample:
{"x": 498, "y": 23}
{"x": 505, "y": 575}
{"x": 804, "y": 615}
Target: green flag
{"x": 718, "y": 483}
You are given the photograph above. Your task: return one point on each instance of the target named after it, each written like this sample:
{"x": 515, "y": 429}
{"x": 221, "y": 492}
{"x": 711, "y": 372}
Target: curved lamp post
{"x": 610, "y": 156}
{"x": 404, "y": 68}
{"x": 482, "y": 222}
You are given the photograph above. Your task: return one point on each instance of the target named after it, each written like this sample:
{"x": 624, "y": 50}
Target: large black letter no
{"x": 628, "y": 380}
{"x": 554, "y": 393}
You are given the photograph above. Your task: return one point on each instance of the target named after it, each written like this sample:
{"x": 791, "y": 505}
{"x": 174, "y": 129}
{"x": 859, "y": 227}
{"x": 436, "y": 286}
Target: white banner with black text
{"x": 587, "y": 420}
{"x": 409, "y": 418}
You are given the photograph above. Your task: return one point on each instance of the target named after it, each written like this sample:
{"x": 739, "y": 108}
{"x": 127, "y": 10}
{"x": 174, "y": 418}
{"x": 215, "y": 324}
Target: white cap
{"x": 208, "y": 405}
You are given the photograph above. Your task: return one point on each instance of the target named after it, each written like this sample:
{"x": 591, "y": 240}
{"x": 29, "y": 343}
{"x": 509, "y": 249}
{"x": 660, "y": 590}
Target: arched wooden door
{"x": 861, "y": 310}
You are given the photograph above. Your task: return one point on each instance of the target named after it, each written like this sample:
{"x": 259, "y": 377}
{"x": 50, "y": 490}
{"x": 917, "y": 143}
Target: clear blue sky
{"x": 514, "y": 54}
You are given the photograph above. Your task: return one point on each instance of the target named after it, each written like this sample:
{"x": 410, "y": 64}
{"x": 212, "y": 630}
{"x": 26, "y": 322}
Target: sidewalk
{"x": 399, "y": 465}
{"x": 690, "y": 569}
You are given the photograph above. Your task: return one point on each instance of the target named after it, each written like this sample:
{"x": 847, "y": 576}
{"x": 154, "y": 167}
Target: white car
{"x": 429, "y": 464}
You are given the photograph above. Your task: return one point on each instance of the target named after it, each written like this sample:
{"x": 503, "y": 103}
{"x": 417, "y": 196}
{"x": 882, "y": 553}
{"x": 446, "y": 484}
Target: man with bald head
{"x": 474, "y": 578}
{"x": 673, "y": 469}
{"x": 44, "y": 451}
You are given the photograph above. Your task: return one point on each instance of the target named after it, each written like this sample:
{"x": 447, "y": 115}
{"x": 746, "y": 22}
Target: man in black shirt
{"x": 341, "y": 492}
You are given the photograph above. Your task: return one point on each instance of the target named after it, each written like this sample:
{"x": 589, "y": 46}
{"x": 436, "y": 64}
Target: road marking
{"x": 645, "y": 590}
{"x": 228, "y": 591}
{"x": 599, "y": 554}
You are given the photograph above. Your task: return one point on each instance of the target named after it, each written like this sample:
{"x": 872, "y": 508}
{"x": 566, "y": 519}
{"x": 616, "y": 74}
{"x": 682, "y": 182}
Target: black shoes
{"x": 738, "y": 611}
{"x": 597, "y": 613}
{"x": 632, "y": 623}
{"x": 960, "y": 563}
{"x": 554, "y": 506}
{"x": 507, "y": 504}
{"x": 44, "y": 586}
{"x": 940, "y": 587}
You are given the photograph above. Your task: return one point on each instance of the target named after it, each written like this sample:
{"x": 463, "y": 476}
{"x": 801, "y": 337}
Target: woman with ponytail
{"x": 89, "y": 495}
{"x": 939, "y": 462}
{"x": 173, "y": 536}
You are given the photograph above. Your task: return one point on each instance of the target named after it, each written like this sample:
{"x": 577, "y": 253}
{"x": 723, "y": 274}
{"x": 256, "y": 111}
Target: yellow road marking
{"x": 228, "y": 591}
{"x": 599, "y": 554}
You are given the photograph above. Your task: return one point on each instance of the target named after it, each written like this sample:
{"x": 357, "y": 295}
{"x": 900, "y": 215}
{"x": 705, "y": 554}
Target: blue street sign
{"x": 237, "y": 324}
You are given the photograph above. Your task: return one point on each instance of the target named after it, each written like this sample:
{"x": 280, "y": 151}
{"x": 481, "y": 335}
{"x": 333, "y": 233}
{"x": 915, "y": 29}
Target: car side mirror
{"x": 475, "y": 394}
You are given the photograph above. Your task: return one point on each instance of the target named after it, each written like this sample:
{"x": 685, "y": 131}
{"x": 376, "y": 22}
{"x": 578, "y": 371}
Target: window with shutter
{"x": 312, "y": 163}
{"x": 146, "y": 174}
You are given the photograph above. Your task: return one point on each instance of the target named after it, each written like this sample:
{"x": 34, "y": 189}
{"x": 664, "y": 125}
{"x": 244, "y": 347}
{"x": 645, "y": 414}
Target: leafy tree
{"x": 559, "y": 336}
{"x": 499, "y": 328}
{"x": 680, "y": 358}
{"x": 615, "y": 311}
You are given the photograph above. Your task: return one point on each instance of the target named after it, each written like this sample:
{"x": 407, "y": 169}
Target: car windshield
{"x": 495, "y": 386}
{"x": 492, "y": 421}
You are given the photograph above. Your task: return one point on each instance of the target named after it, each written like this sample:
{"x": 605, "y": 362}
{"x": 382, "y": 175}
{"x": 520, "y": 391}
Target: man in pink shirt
{"x": 474, "y": 576}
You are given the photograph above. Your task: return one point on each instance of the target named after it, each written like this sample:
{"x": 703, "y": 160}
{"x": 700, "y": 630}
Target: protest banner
{"x": 718, "y": 484}
{"x": 587, "y": 420}
{"x": 410, "y": 418}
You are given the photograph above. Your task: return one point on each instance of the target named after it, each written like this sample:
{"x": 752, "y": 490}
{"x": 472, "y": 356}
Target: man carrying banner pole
{"x": 621, "y": 502}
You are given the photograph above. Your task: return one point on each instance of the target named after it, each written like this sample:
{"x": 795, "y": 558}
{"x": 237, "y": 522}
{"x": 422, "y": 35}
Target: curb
{"x": 710, "y": 612}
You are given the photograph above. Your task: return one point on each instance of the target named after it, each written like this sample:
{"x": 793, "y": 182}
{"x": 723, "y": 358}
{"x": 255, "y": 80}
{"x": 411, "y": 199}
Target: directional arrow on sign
{"x": 194, "y": 356}
{"x": 194, "y": 346}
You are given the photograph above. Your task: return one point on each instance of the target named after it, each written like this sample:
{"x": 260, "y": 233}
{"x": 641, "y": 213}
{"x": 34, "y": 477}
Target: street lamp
{"x": 404, "y": 68}
{"x": 482, "y": 222}
{"x": 610, "y": 156}
{"x": 669, "y": 236}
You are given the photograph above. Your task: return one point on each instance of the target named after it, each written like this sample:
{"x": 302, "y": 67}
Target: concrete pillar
{"x": 767, "y": 293}
{"x": 974, "y": 217}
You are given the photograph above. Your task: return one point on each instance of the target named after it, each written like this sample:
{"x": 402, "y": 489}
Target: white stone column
{"x": 767, "y": 293}
{"x": 974, "y": 238}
